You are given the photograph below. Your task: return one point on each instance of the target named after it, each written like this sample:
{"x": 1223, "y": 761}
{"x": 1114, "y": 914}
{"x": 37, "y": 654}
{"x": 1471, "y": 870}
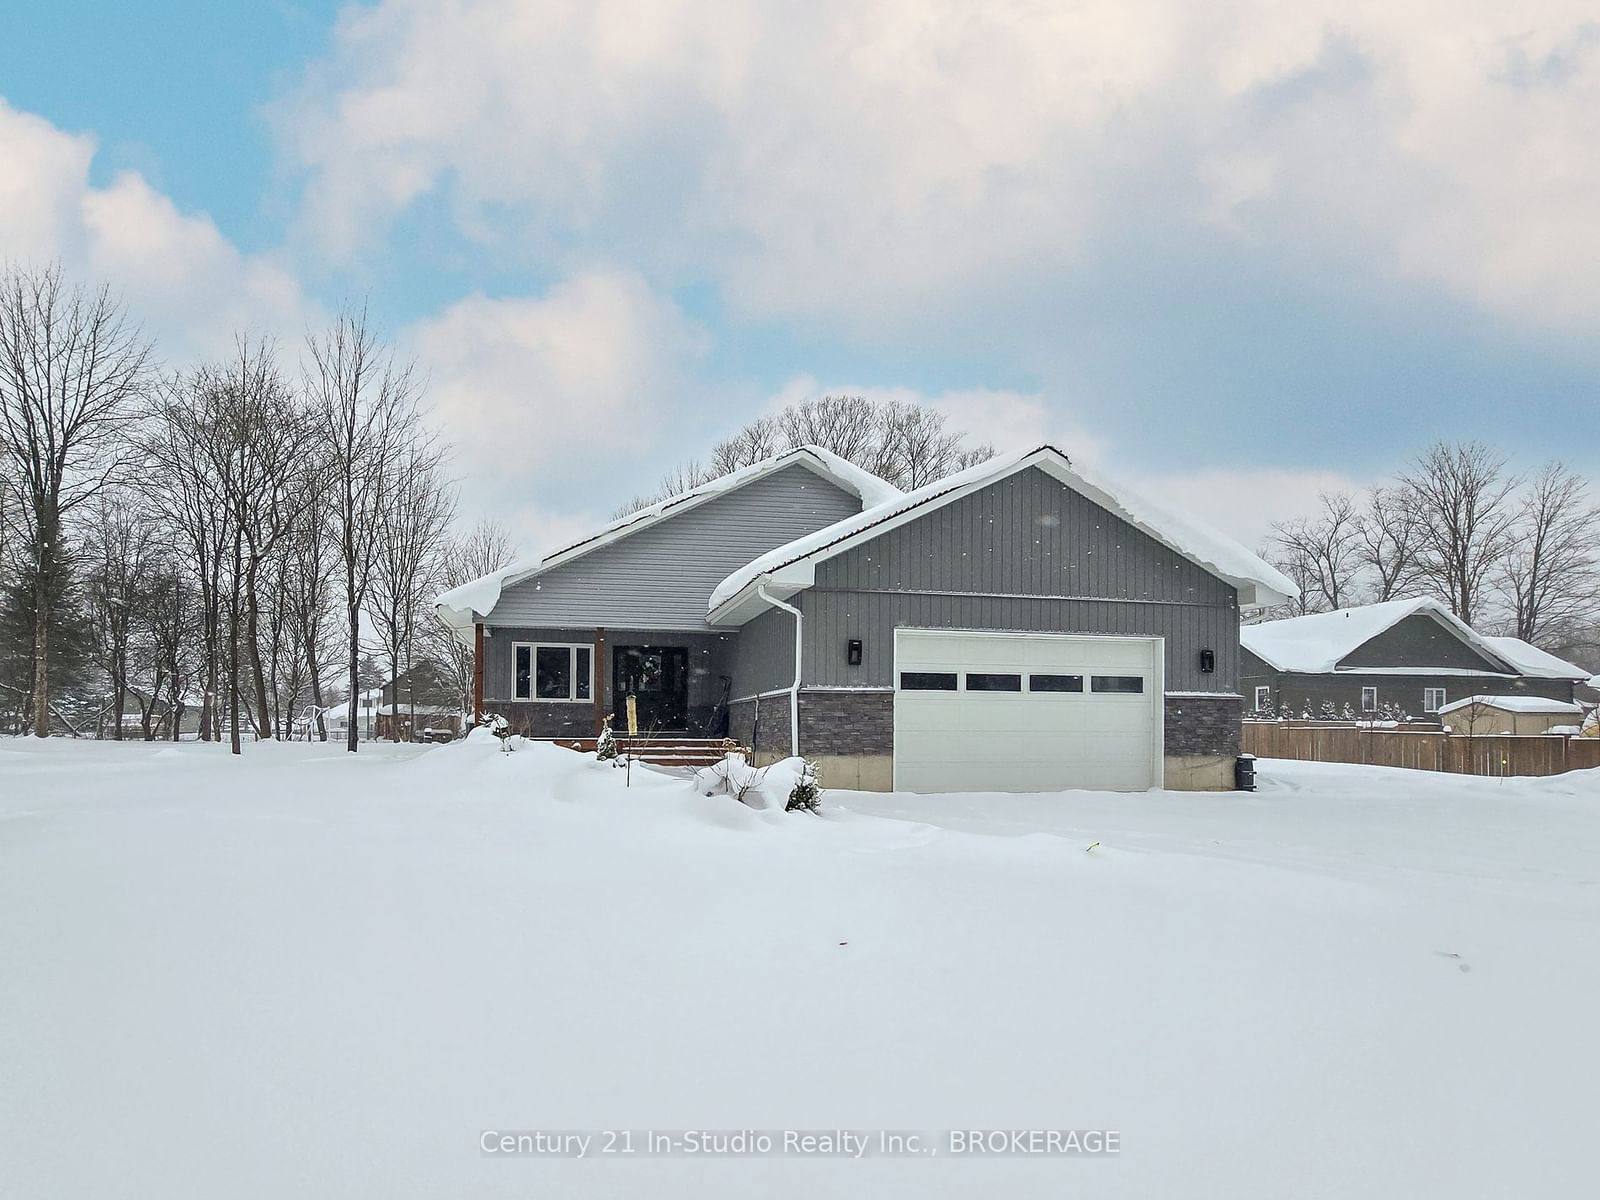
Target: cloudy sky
{"x": 1235, "y": 251}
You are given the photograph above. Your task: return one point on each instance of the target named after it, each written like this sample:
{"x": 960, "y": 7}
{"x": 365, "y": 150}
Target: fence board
{"x": 1493, "y": 755}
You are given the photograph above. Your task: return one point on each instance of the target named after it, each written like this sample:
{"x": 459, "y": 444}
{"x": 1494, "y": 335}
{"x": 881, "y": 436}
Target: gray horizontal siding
{"x": 1025, "y": 553}
{"x": 661, "y": 577}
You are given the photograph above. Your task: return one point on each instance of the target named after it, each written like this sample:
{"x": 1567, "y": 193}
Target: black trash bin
{"x": 1244, "y": 773}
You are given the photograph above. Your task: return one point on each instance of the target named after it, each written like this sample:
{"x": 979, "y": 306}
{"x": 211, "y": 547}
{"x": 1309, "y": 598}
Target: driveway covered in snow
{"x": 311, "y": 973}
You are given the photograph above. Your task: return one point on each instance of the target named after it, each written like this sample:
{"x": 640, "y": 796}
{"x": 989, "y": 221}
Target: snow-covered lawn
{"x": 309, "y": 973}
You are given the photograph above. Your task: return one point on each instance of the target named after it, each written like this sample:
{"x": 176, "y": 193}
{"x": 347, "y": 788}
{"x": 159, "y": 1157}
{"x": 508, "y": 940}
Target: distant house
{"x": 1023, "y": 625}
{"x": 1479, "y": 715}
{"x": 425, "y": 692}
{"x": 1410, "y": 656}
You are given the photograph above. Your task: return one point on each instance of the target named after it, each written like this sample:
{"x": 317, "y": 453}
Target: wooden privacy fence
{"x": 1496, "y": 754}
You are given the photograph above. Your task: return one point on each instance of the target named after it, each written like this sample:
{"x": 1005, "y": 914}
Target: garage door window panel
{"x": 1123, "y": 685}
{"x": 1055, "y": 683}
{"x": 982, "y": 682}
{"x": 927, "y": 681}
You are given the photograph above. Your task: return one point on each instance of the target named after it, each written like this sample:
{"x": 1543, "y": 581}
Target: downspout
{"x": 794, "y": 688}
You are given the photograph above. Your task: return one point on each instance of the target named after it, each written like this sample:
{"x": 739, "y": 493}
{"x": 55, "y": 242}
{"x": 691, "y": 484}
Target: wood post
{"x": 477, "y": 673}
{"x": 598, "y": 686}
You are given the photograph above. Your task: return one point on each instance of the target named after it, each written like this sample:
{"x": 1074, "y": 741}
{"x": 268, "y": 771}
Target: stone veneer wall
{"x": 1203, "y": 725}
{"x": 838, "y": 722}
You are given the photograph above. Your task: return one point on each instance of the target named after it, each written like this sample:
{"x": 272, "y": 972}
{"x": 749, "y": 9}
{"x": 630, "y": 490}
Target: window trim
{"x": 1263, "y": 696}
{"x": 572, "y": 649}
{"x": 1373, "y": 707}
{"x": 1443, "y": 699}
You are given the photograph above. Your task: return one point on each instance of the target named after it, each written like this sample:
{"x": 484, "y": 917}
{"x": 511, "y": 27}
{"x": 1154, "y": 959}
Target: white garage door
{"x": 1025, "y": 712}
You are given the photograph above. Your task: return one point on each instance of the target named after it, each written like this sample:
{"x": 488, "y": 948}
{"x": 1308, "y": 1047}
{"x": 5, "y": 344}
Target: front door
{"x": 658, "y": 677}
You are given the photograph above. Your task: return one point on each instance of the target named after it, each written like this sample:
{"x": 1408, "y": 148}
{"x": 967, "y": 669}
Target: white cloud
{"x": 892, "y": 160}
{"x": 535, "y": 391}
{"x": 179, "y": 276}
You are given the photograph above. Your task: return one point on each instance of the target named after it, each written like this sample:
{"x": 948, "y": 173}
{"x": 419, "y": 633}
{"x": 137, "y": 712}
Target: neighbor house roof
{"x": 1530, "y": 660}
{"x": 1315, "y": 644}
{"x": 457, "y": 606}
{"x": 792, "y": 567}
{"x": 1523, "y": 704}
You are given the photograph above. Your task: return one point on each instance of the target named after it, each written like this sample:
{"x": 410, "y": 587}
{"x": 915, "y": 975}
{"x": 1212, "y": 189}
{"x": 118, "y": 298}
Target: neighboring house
{"x": 1478, "y": 715}
{"x": 425, "y": 691}
{"x": 1022, "y": 625}
{"x": 1413, "y": 656}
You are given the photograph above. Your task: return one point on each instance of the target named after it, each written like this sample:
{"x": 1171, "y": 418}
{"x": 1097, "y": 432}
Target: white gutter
{"x": 794, "y": 688}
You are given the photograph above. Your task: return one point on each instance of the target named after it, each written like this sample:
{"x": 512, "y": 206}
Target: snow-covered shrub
{"x": 806, "y": 795}
{"x": 1329, "y": 712}
{"x": 501, "y": 728}
{"x": 605, "y": 746}
{"x": 1347, "y": 713}
{"x": 767, "y": 788}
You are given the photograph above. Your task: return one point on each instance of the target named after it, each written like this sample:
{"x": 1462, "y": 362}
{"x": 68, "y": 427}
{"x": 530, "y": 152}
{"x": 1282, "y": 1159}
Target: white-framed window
{"x": 556, "y": 672}
{"x": 1369, "y": 699}
{"x": 1263, "y": 698}
{"x": 1432, "y": 699}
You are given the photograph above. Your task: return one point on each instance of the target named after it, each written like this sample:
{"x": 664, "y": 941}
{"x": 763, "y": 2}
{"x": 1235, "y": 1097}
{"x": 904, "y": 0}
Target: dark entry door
{"x": 659, "y": 677}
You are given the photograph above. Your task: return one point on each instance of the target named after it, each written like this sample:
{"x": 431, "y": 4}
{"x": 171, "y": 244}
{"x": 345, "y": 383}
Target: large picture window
{"x": 557, "y": 672}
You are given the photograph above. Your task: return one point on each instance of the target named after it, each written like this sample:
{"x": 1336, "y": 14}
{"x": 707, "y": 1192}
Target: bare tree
{"x": 1389, "y": 543}
{"x": 412, "y": 530}
{"x": 1461, "y": 496}
{"x": 71, "y": 370}
{"x": 1324, "y": 550}
{"x": 185, "y": 484}
{"x": 367, "y": 404}
{"x": 119, "y": 557}
{"x": 906, "y": 444}
{"x": 1549, "y": 574}
{"x": 486, "y": 548}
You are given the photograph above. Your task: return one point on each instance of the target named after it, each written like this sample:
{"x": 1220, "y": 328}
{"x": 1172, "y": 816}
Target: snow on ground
{"x": 312, "y": 973}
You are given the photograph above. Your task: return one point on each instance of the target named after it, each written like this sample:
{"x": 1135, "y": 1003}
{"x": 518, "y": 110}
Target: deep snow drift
{"x": 312, "y": 973}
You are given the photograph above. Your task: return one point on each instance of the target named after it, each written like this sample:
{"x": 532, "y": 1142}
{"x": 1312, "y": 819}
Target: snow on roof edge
{"x": 1515, "y": 704}
{"x": 1315, "y": 643}
{"x": 1531, "y": 660}
{"x": 1194, "y": 540}
{"x": 457, "y": 605}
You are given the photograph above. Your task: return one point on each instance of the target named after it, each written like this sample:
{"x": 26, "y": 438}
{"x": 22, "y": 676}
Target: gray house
{"x": 1022, "y": 625}
{"x": 1413, "y": 656}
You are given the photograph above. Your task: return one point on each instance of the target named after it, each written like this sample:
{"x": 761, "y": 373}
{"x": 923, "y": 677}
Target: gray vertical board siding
{"x": 764, "y": 657}
{"x": 662, "y": 577}
{"x": 1418, "y": 641}
{"x": 711, "y": 657}
{"x": 1025, "y": 553}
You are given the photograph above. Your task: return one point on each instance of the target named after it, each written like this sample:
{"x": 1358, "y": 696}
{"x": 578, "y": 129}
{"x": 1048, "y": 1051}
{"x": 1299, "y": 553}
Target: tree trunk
{"x": 316, "y": 684}
{"x": 264, "y": 722}
{"x": 233, "y": 646}
{"x": 353, "y": 735}
{"x": 41, "y": 635}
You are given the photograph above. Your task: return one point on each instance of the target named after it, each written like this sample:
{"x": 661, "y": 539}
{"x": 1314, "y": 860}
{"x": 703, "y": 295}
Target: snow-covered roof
{"x": 1314, "y": 644}
{"x": 422, "y": 710}
{"x": 1528, "y": 659}
{"x": 791, "y": 568}
{"x": 457, "y": 606}
{"x": 1522, "y": 704}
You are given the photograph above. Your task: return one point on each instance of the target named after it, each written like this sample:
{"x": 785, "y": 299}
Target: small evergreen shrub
{"x": 807, "y": 794}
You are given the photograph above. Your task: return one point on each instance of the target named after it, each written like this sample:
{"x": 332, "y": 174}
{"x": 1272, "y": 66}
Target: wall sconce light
{"x": 852, "y": 652}
{"x": 1208, "y": 661}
